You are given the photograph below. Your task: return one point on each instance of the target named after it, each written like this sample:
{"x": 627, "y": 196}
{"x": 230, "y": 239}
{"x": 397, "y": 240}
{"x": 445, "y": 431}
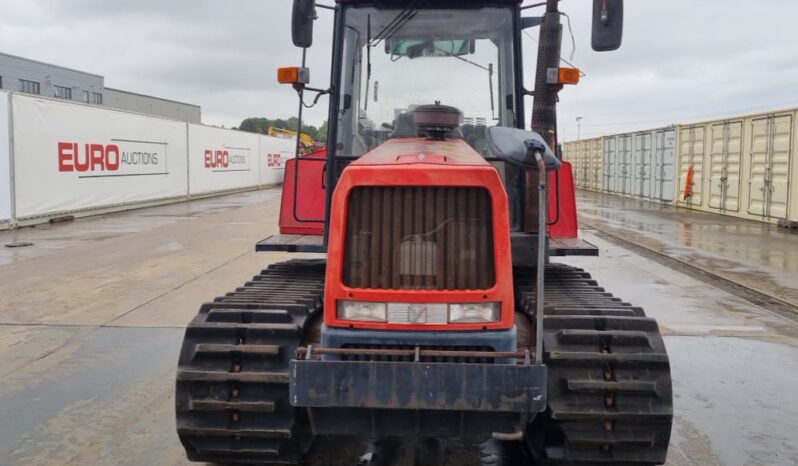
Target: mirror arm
{"x": 326, "y": 7}
{"x": 531, "y": 22}
{"x": 319, "y": 93}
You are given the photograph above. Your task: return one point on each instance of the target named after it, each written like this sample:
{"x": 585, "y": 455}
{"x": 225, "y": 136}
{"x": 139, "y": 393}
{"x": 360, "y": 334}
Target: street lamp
{"x": 578, "y": 128}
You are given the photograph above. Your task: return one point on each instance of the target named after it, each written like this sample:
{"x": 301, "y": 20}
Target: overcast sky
{"x": 682, "y": 60}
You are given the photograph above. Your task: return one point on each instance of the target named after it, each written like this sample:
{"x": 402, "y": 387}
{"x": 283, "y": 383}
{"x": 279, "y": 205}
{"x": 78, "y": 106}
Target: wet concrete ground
{"x": 760, "y": 255}
{"x": 92, "y": 317}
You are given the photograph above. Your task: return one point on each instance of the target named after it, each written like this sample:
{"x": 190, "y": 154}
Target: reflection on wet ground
{"x": 47, "y": 238}
{"x": 758, "y": 254}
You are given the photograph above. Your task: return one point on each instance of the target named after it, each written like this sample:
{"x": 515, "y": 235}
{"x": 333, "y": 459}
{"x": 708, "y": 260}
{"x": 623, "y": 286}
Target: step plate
{"x": 292, "y": 243}
{"x": 418, "y": 386}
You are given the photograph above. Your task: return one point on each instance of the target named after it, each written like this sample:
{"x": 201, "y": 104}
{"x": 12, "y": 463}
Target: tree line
{"x": 261, "y": 125}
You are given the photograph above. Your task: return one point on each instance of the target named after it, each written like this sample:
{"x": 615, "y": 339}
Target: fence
{"x": 742, "y": 166}
{"x": 60, "y": 158}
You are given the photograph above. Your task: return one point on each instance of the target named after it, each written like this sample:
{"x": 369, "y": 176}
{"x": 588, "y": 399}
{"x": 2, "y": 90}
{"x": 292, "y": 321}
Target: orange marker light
{"x": 293, "y": 75}
{"x": 569, "y": 75}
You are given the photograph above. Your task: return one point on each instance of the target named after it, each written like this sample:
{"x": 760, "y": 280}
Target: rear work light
{"x": 420, "y": 313}
{"x": 563, "y": 75}
{"x": 293, "y": 75}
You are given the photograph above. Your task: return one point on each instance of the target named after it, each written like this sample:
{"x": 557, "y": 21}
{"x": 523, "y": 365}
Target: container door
{"x": 588, "y": 164}
{"x": 625, "y": 164}
{"x": 771, "y": 149}
{"x": 642, "y": 171}
{"x": 578, "y": 165}
{"x": 609, "y": 144}
{"x": 725, "y": 152}
{"x": 637, "y": 163}
{"x": 662, "y": 165}
{"x": 666, "y": 169}
{"x": 598, "y": 164}
{"x": 691, "y": 153}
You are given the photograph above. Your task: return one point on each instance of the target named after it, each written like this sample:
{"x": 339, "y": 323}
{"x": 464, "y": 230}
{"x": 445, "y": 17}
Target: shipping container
{"x": 664, "y": 165}
{"x": 610, "y": 163}
{"x": 625, "y": 163}
{"x": 640, "y": 175}
{"x": 569, "y": 153}
{"x": 587, "y": 164}
{"x": 769, "y": 162}
{"x": 691, "y": 165}
{"x": 725, "y": 156}
{"x": 596, "y": 164}
{"x": 577, "y": 164}
{"x": 742, "y": 166}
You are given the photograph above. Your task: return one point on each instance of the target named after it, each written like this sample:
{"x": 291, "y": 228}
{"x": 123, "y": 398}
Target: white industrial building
{"x": 18, "y": 74}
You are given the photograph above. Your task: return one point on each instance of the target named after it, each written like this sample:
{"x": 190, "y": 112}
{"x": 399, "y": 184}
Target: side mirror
{"x": 302, "y": 22}
{"x": 607, "y": 25}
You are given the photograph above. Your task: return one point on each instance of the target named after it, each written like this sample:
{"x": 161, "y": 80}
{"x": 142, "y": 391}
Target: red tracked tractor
{"x": 437, "y": 311}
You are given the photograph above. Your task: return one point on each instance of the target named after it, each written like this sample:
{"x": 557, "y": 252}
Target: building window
{"x": 31, "y": 87}
{"x": 63, "y": 92}
{"x": 97, "y": 98}
{"x": 85, "y": 97}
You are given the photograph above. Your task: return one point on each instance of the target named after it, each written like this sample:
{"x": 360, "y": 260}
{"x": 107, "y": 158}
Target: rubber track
{"x": 609, "y": 389}
{"x": 232, "y": 381}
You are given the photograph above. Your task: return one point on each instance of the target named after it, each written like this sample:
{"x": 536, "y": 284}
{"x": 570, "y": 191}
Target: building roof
{"x": 52, "y": 65}
{"x": 152, "y": 97}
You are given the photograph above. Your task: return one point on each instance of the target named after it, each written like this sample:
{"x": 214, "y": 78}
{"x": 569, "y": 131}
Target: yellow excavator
{"x": 307, "y": 144}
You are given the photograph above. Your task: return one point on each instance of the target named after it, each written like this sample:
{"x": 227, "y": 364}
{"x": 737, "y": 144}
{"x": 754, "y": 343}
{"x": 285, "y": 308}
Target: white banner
{"x": 5, "y": 167}
{"x": 221, "y": 159}
{"x": 71, "y": 157}
{"x": 273, "y": 154}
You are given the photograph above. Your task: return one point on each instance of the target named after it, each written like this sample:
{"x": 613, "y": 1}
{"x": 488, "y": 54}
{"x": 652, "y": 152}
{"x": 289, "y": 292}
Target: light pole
{"x": 578, "y": 128}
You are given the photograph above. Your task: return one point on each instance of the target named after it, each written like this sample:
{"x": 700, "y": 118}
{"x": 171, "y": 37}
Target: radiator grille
{"x": 419, "y": 238}
{"x": 450, "y": 359}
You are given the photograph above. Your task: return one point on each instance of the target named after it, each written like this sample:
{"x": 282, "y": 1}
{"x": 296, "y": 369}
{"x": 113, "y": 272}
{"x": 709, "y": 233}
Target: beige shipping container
{"x": 596, "y": 164}
{"x": 586, "y": 158}
{"x": 569, "y": 150}
{"x": 725, "y": 164}
{"x": 584, "y": 167}
{"x": 743, "y": 167}
{"x": 575, "y": 160}
{"x": 690, "y": 158}
{"x": 587, "y": 171}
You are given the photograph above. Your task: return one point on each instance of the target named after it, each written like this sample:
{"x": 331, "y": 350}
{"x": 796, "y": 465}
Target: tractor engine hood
{"x": 403, "y": 151}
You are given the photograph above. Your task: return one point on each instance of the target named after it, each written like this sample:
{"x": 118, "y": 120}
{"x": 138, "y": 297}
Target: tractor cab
{"x": 390, "y": 58}
{"x": 465, "y": 58}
